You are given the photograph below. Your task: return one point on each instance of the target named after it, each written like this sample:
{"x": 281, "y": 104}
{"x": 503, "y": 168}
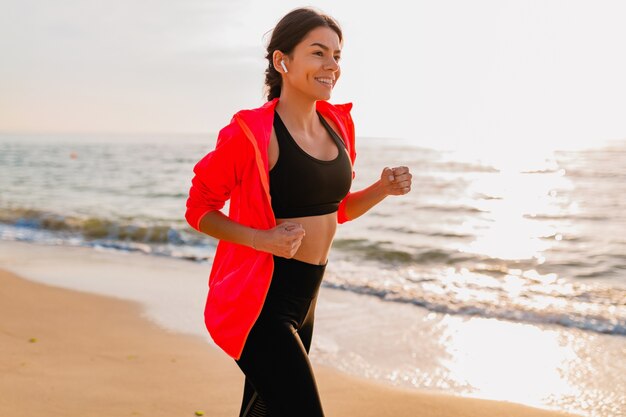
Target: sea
{"x": 500, "y": 275}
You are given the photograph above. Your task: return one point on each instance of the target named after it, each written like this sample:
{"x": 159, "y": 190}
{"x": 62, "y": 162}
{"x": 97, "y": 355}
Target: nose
{"x": 332, "y": 65}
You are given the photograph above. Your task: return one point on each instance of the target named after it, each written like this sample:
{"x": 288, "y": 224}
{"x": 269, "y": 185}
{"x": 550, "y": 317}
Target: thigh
{"x": 306, "y": 329}
{"x": 276, "y": 363}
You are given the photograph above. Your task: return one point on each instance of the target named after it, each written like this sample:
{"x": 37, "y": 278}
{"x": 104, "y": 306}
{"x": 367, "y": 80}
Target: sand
{"x": 69, "y": 353}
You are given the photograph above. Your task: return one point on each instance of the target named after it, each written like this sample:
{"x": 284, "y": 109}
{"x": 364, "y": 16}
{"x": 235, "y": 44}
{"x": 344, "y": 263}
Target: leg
{"x": 276, "y": 364}
{"x": 306, "y": 330}
{"x": 252, "y": 405}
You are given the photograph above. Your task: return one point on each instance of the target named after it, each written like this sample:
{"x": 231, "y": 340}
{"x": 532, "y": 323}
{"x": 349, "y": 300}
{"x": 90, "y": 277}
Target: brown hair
{"x": 287, "y": 33}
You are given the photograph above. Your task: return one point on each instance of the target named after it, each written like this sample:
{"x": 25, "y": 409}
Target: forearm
{"x": 359, "y": 202}
{"x": 218, "y": 225}
{"x": 282, "y": 240}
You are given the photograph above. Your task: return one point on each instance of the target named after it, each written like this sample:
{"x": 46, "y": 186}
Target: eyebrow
{"x": 324, "y": 47}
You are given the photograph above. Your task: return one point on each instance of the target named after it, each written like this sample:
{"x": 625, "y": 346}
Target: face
{"x": 313, "y": 68}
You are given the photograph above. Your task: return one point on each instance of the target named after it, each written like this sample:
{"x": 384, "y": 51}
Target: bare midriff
{"x": 318, "y": 238}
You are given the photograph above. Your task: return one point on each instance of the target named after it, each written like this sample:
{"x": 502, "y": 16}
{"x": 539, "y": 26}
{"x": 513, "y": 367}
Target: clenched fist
{"x": 396, "y": 181}
{"x": 282, "y": 240}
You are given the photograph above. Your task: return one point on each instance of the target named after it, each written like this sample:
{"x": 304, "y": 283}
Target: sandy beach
{"x": 67, "y": 353}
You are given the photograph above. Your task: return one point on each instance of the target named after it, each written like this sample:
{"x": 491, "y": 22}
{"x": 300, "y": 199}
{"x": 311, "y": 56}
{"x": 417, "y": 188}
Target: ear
{"x": 276, "y": 58}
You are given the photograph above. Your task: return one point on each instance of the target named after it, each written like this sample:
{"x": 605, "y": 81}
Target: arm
{"x": 221, "y": 227}
{"x": 216, "y": 175}
{"x": 282, "y": 240}
{"x": 393, "y": 181}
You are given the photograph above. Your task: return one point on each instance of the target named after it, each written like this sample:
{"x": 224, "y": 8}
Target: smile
{"x": 325, "y": 81}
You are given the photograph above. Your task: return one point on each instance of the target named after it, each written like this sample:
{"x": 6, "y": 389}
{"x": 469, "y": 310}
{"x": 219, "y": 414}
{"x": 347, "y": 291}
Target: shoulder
{"x": 234, "y": 130}
{"x": 248, "y": 115}
{"x": 344, "y": 108}
{"x": 252, "y": 123}
{"x": 341, "y": 116}
{"x": 232, "y": 139}
{"x": 339, "y": 110}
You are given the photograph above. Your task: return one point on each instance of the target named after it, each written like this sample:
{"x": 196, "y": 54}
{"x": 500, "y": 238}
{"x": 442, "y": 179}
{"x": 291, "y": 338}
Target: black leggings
{"x": 279, "y": 378}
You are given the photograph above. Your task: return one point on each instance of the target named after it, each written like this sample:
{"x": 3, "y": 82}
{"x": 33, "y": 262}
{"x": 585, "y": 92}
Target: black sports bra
{"x": 301, "y": 185}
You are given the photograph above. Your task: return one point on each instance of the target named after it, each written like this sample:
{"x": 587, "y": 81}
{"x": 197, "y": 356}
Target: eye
{"x": 337, "y": 58}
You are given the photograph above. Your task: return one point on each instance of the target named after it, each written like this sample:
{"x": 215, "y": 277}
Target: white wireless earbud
{"x": 282, "y": 64}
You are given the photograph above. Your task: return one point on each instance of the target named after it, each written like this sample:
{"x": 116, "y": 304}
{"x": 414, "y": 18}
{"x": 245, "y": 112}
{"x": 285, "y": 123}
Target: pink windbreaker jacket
{"x": 238, "y": 169}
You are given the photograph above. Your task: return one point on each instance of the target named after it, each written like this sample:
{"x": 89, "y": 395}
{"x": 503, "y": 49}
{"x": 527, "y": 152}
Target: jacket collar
{"x": 260, "y": 120}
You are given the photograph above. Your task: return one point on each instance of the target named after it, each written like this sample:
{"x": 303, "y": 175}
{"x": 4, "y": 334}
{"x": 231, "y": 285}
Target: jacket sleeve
{"x": 341, "y": 210}
{"x": 215, "y": 175}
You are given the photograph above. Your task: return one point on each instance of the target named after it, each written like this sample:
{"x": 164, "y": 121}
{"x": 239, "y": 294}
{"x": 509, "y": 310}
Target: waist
{"x": 320, "y": 231}
{"x": 296, "y": 278}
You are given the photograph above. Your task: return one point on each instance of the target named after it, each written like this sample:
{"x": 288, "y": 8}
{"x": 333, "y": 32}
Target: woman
{"x": 287, "y": 168}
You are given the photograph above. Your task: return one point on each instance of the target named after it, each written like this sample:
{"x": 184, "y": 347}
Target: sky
{"x": 506, "y": 74}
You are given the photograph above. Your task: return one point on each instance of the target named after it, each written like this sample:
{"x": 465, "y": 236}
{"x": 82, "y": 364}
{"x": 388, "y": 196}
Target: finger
{"x": 296, "y": 233}
{"x": 400, "y": 170}
{"x": 294, "y": 249}
{"x": 296, "y": 239}
{"x": 292, "y": 228}
{"x": 403, "y": 177}
{"x": 290, "y": 225}
{"x": 402, "y": 184}
{"x": 294, "y": 244}
{"x": 299, "y": 227}
{"x": 388, "y": 173}
{"x": 401, "y": 191}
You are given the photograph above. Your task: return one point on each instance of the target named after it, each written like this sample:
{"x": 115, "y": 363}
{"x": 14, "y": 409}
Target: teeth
{"x": 325, "y": 80}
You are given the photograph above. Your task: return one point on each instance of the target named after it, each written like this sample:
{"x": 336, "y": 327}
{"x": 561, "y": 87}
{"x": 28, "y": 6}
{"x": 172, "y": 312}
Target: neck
{"x": 297, "y": 111}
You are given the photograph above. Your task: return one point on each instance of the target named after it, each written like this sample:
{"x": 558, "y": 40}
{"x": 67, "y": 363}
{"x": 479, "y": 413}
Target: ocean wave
{"x": 414, "y": 231}
{"x": 596, "y": 309}
{"x": 465, "y": 167}
{"x": 383, "y": 251}
{"x": 481, "y": 196}
{"x": 598, "y": 272}
{"x": 568, "y": 216}
{"x": 563, "y": 237}
{"x": 450, "y": 209}
{"x": 91, "y": 228}
{"x": 543, "y": 171}
{"x": 595, "y": 174}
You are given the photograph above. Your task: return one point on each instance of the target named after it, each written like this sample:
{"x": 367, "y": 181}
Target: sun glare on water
{"x": 480, "y": 351}
{"x": 523, "y": 188}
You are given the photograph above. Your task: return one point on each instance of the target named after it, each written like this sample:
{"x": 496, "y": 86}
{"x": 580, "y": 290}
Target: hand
{"x": 283, "y": 240}
{"x": 396, "y": 181}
